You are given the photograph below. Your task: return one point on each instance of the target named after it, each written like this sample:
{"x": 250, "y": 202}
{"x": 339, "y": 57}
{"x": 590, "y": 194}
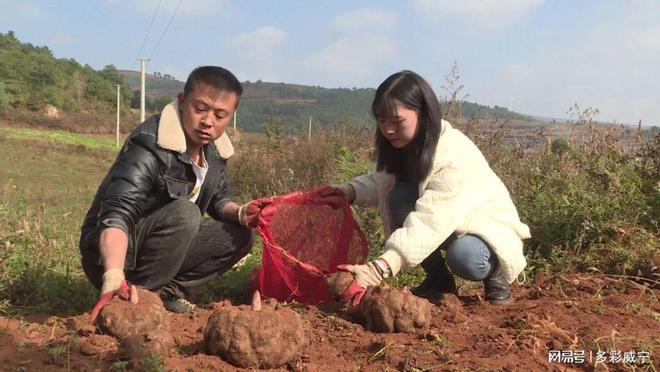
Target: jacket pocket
{"x": 178, "y": 189}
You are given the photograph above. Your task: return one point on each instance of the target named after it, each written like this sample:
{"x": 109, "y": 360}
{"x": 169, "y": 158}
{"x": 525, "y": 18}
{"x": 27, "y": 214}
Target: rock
{"x": 157, "y": 342}
{"x": 122, "y": 318}
{"x": 338, "y": 283}
{"x": 386, "y": 309}
{"x": 52, "y": 112}
{"x": 245, "y": 338}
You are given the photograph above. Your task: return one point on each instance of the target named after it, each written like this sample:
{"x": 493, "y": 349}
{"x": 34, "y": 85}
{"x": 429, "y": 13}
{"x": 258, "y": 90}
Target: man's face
{"x": 205, "y": 113}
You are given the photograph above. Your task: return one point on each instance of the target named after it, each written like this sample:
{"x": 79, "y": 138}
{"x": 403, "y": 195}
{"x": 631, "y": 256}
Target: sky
{"x": 537, "y": 57}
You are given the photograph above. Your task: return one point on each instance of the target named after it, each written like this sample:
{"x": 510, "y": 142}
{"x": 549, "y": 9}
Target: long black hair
{"x": 415, "y": 93}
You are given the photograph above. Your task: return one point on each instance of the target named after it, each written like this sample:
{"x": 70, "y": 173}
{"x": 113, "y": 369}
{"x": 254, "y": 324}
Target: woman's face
{"x": 401, "y": 128}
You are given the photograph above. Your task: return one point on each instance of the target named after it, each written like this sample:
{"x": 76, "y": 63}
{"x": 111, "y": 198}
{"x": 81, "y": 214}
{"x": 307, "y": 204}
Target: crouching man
{"x": 145, "y": 225}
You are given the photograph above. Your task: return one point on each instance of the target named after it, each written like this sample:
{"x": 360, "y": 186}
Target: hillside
{"x": 38, "y": 89}
{"x": 293, "y": 104}
{"x": 70, "y": 96}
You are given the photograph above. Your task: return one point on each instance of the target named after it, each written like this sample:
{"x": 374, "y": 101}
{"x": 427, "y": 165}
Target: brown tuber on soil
{"x": 338, "y": 283}
{"x": 386, "y": 309}
{"x": 269, "y": 337}
{"x": 122, "y": 318}
{"x": 143, "y": 345}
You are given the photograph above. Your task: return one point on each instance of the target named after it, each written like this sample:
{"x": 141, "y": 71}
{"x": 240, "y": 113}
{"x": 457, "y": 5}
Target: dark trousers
{"x": 173, "y": 250}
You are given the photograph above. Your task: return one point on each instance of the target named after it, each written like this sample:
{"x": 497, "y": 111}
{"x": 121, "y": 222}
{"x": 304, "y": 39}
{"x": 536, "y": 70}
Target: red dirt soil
{"x": 577, "y": 312}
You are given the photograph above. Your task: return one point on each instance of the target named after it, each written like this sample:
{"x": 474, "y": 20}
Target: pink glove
{"x": 114, "y": 284}
{"x": 346, "y": 191}
{"x": 353, "y": 294}
{"x": 364, "y": 276}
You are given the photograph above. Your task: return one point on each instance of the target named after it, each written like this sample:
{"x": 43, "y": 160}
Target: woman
{"x": 436, "y": 192}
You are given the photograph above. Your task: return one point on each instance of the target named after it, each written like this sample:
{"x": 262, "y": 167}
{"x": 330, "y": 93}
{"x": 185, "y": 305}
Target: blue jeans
{"x": 468, "y": 256}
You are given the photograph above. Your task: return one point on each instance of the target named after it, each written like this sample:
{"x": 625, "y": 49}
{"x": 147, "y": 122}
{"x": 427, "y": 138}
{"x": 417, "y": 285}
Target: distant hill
{"x": 293, "y": 104}
{"x": 75, "y": 97}
{"x": 31, "y": 77}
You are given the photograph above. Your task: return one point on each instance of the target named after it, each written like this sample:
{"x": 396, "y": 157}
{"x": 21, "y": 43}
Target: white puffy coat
{"x": 461, "y": 195}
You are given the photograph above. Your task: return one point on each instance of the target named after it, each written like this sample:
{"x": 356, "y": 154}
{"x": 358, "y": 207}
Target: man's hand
{"x": 363, "y": 276}
{"x": 248, "y": 214}
{"x": 346, "y": 191}
{"x": 114, "y": 283}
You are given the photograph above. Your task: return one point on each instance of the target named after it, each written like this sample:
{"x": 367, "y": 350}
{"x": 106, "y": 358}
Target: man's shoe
{"x": 497, "y": 289}
{"x": 179, "y": 305}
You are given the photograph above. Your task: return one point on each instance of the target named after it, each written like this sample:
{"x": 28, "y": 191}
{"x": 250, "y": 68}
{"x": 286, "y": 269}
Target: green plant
{"x": 119, "y": 366}
{"x": 153, "y": 363}
{"x": 57, "y": 352}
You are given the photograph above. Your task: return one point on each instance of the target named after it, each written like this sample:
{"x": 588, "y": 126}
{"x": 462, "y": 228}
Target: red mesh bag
{"x": 305, "y": 236}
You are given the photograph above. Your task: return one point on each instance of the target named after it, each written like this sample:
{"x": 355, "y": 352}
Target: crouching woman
{"x": 436, "y": 193}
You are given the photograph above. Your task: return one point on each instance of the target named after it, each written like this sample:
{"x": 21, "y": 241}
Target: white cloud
{"x": 365, "y": 18}
{"x": 480, "y": 13}
{"x": 613, "y": 67}
{"x": 352, "y": 57}
{"x": 187, "y": 7}
{"x": 261, "y": 42}
{"x": 257, "y": 54}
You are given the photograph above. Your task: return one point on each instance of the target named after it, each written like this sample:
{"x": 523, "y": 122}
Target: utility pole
{"x": 143, "y": 62}
{"x": 309, "y": 131}
{"x": 235, "y": 114}
{"x": 117, "y": 145}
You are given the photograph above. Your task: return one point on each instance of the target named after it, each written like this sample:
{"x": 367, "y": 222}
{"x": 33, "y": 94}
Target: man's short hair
{"x": 215, "y": 76}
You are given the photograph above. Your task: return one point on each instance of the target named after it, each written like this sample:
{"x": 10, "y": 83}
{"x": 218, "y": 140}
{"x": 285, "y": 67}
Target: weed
{"x": 380, "y": 352}
{"x": 599, "y": 309}
{"x": 153, "y": 363}
{"x": 591, "y": 202}
{"x": 443, "y": 348}
{"x": 560, "y": 287}
{"x": 57, "y": 352}
{"x": 119, "y": 366}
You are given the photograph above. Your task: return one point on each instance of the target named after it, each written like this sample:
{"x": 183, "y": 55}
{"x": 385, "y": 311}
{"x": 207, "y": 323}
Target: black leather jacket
{"x": 145, "y": 177}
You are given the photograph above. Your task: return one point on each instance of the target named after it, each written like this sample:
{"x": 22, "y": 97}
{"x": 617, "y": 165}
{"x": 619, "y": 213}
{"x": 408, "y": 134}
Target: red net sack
{"x": 305, "y": 236}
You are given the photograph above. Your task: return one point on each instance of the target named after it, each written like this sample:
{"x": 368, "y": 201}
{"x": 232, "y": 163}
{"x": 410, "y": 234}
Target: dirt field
{"x": 576, "y": 315}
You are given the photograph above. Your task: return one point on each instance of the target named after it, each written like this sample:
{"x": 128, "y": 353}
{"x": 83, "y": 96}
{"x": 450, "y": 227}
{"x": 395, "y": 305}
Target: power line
{"x": 166, "y": 28}
{"x": 149, "y": 29}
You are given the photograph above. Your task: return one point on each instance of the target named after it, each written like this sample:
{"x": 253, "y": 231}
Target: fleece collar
{"x": 172, "y": 137}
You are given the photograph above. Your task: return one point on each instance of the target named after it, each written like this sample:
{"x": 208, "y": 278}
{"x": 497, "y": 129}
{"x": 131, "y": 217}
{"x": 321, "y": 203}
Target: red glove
{"x": 114, "y": 284}
{"x": 366, "y": 275}
{"x": 345, "y": 191}
{"x": 353, "y": 294}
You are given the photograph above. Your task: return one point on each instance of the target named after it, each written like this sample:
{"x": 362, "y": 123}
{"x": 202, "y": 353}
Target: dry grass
{"x": 592, "y": 204}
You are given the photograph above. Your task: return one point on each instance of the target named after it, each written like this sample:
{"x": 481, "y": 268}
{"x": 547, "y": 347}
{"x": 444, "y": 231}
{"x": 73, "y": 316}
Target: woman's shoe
{"x": 497, "y": 289}
{"x": 436, "y": 284}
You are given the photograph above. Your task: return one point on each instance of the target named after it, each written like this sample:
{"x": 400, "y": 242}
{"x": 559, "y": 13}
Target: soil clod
{"x": 143, "y": 345}
{"x": 386, "y": 309}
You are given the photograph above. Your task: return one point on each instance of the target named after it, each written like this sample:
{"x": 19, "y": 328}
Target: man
{"x": 145, "y": 224}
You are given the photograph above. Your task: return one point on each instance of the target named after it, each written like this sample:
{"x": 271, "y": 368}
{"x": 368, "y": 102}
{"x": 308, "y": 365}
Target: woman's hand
{"x": 363, "y": 276}
{"x": 346, "y": 191}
